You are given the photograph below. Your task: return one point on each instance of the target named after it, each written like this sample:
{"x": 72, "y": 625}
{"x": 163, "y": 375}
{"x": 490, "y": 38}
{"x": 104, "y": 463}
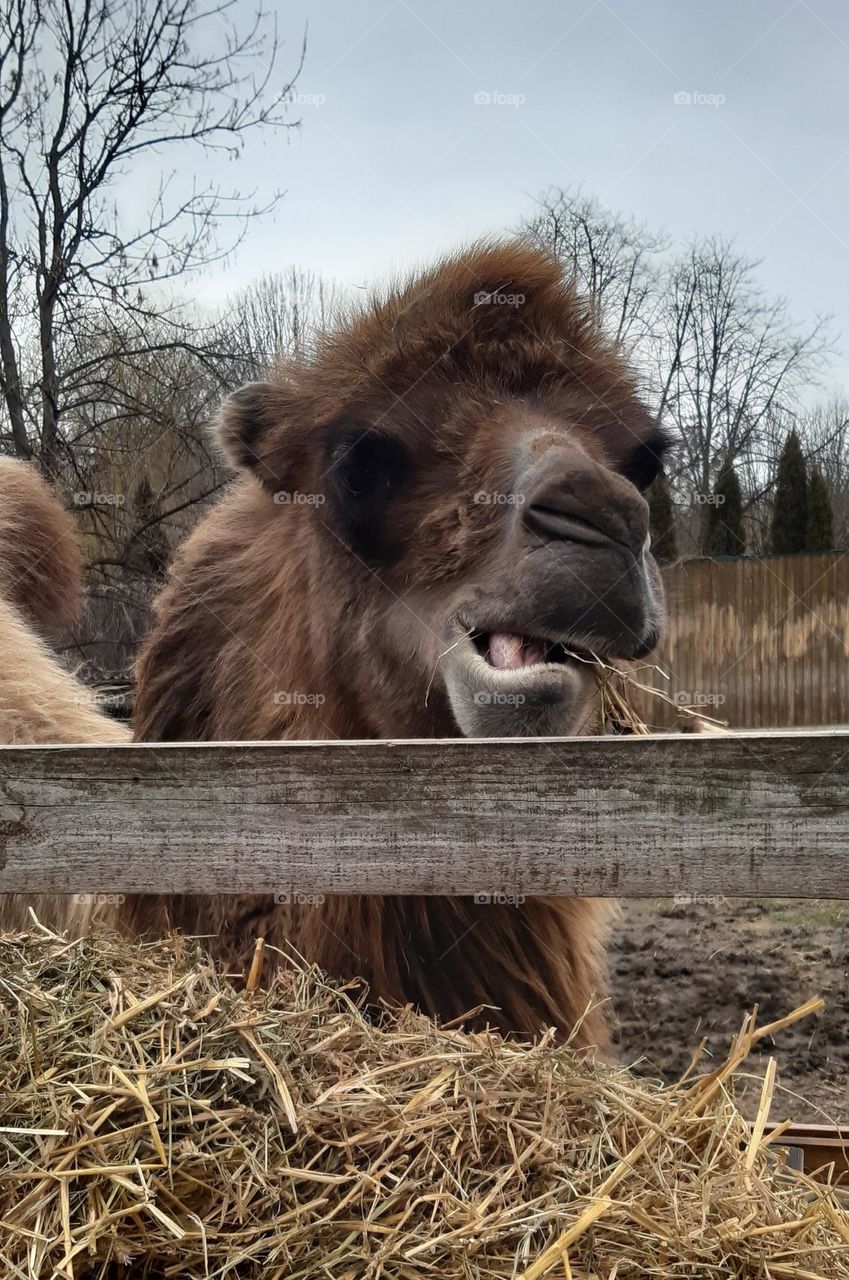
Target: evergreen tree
{"x": 724, "y": 532}
{"x": 820, "y": 513}
{"x": 789, "y": 531}
{"x": 664, "y": 541}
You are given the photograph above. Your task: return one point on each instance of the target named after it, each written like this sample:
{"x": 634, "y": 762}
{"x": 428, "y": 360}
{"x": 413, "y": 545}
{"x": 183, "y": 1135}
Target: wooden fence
{"x": 760, "y": 642}
{"x": 757, "y": 814}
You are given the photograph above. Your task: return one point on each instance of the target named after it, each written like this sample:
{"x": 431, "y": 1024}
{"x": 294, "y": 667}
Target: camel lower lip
{"x": 549, "y": 698}
{"x": 521, "y": 675}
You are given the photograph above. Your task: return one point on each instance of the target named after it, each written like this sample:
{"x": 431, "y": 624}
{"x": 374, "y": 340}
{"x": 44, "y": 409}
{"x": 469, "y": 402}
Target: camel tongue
{"x": 509, "y": 652}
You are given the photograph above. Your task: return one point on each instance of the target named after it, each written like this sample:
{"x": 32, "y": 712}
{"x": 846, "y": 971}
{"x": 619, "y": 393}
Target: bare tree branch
{"x": 134, "y": 81}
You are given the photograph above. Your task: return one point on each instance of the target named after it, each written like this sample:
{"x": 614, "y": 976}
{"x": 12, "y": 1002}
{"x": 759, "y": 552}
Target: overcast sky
{"x": 400, "y": 155}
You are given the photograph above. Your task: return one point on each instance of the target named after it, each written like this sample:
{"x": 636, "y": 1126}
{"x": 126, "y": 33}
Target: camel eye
{"x": 367, "y": 469}
{"x": 367, "y": 464}
{"x": 644, "y": 464}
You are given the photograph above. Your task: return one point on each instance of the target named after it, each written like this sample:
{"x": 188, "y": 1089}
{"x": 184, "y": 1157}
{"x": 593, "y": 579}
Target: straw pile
{"x": 156, "y": 1121}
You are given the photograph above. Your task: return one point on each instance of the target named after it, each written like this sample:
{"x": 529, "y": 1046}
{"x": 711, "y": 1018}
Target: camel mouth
{"x": 512, "y": 683}
{"x": 514, "y": 651}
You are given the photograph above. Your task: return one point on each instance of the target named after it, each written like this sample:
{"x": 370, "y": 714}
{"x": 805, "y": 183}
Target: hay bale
{"x": 156, "y": 1121}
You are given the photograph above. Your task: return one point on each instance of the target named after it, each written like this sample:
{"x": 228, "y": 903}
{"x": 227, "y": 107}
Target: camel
{"x": 437, "y": 518}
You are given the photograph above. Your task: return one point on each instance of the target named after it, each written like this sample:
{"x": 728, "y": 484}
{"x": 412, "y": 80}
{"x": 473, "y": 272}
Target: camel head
{"x": 469, "y": 454}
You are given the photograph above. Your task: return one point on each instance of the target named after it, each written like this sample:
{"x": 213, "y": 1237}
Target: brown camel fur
{"x": 40, "y": 564}
{"x": 40, "y": 588}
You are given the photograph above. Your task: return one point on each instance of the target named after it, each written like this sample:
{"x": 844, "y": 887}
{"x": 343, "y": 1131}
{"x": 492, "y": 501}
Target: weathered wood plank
{"x": 756, "y": 814}
{"x": 758, "y": 640}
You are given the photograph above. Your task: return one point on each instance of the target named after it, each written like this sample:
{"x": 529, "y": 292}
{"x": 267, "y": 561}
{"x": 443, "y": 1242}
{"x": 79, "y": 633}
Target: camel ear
{"x": 245, "y": 422}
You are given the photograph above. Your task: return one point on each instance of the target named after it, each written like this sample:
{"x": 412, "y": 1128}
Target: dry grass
{"x": 155, "y": 1121}
{"x": 622, "y": 692}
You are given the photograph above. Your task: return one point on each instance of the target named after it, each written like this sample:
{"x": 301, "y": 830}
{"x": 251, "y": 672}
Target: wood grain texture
{"x": 759, "y": 641}
{"x": 756, "y": 814}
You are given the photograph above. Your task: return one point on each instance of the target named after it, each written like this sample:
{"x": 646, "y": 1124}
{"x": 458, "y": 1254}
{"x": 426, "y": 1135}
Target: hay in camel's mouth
{"x": 619, "y": 687}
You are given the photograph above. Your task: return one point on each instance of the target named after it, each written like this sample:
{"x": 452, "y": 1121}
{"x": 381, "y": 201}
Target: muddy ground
{"x": 681, "y": 972}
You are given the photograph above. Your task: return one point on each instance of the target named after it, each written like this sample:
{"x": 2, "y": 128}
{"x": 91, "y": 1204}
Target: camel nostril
{"x": 552, "y": 522}
{"x": 573, "y": 498}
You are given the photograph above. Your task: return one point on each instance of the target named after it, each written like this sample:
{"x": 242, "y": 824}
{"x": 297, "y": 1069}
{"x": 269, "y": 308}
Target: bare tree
{"x": 729, "y": 363}
{"x": 138, "y": 467}
{"x": 613, "y": 259}
{"x": 90, "y": 93}
{"x": 17, "y": 39}
{"x": 276, "y": 316}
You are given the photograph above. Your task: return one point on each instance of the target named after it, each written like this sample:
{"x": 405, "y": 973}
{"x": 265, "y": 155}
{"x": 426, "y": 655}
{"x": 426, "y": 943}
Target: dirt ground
{"x": 686, "y": 971}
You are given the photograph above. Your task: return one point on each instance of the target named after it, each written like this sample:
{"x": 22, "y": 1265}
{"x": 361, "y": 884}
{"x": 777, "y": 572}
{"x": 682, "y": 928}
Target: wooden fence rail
{"x": 756, "y": 814}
